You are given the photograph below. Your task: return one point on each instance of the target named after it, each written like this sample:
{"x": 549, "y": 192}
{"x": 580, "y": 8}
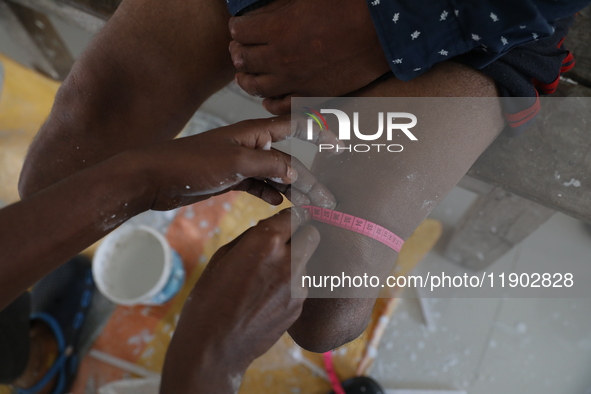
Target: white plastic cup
{"x": 136, "y": 265}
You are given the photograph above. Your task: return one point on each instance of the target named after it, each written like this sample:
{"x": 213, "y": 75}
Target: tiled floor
{"x": 486, "y": 346}
{"x": 481, "y": 346}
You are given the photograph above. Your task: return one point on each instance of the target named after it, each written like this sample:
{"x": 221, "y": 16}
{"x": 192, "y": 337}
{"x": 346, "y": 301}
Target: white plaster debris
{"x": 568, "y": 80}
{"x": 149, "y": 352}
{"x": 140, "y": 339}
{"x": 235, "y": 382}
{"x": 572, "y": 182}
{"x": 372, "y": 352}
{"x": 296, "y": 353}
{"x": 428, "y": 204}
{"x": 277, "y": 180}
{"x": 189, "y": 213}
{"x": 556, "y": 175}
{"x": 521, "y": 328}
{"x": 427, "y": 313}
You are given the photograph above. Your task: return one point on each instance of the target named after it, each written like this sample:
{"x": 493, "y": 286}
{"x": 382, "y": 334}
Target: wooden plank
{"x": 550, "y": 162}
{"x": 475, "y": 186}
{"x": 67, "y": 13}
{"x": 579, "y": 42}
{"x": 46, "y": 49}
{"x": 492, "y": 226}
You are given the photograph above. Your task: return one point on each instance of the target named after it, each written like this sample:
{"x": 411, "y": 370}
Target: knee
{"x": 326, "y": 324}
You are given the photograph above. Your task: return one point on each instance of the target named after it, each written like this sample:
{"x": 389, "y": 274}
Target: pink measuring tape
{"x": 358, "y": 225}
{"x": 335, "y": 383}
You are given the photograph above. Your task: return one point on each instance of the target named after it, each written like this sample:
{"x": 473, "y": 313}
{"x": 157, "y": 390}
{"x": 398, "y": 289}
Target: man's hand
{"x": 323, "y": 48}
{"x": 236, "y": 157}
{"x": 240, "y": 306}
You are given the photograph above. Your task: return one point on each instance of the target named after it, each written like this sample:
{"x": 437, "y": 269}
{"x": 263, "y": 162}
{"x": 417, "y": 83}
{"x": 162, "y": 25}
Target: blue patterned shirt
{"x": 417, "y": 34}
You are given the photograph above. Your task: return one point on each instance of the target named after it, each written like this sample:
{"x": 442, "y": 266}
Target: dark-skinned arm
{"x": 48, "y": 228}
{"x": 240, "y": 306}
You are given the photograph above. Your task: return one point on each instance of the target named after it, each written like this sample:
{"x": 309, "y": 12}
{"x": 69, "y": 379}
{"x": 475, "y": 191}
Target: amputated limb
{"x": 396, "y": 191}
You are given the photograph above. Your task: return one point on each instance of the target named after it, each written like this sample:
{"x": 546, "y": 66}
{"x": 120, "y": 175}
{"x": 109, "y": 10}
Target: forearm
{"x": 45, "y": 230}
{"x": 139, "y": 82}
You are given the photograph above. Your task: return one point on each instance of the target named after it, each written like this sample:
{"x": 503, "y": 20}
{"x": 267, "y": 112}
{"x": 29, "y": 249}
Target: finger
{"x": 260, "y": 85}
{"x": 278, "y": 106}
{"x": 298, "y": 217}
{"x": 260, "y": 133}
{"x": 252, "y": 59}
{"x": 310, "y": 125}
{"x": 282, "y": 168}
{"x": 250, "y": 29}
{"x": 278, "y": 229}
{"x": 295, "y": 196}
{"x": 262, "y": 190}
{"x": 302, "y": 246}
{"x": 317, "y": 193}
{"x": 280, "y": 187}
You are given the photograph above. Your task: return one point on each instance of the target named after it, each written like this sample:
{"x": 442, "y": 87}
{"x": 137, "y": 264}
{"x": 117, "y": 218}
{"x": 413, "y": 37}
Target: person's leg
{"x": 417, "y": 180}
{"x": 403, "y": 188}
{"x": 138, "y": 82}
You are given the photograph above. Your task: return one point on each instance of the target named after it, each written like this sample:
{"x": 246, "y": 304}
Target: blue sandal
{"x": 61, "y": 300}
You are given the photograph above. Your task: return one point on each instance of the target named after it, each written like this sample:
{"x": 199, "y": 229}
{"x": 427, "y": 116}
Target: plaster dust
{"x": 135, "y": 265}
{"x": 572, "y": 182}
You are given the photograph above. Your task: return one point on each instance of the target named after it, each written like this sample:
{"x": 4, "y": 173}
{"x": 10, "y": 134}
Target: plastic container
{"x": 136, "y": 265}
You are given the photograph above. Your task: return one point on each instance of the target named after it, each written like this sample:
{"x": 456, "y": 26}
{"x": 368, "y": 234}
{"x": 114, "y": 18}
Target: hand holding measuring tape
{"x": 236, "y": 157}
